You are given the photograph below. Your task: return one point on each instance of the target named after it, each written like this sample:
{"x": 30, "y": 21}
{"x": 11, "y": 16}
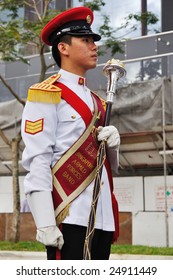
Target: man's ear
{"x": 63, "y": 48}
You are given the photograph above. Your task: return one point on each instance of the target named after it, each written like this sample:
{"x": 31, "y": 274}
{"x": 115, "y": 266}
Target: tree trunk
{"x": 15, "y": 229}
{"x": 43, "y": 64}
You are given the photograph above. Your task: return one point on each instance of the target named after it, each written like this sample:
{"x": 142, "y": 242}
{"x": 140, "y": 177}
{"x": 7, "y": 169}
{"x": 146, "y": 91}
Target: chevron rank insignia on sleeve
{"x": 34, "y": 127}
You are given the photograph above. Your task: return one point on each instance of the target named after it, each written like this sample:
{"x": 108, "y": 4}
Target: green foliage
{"x": 94, "y": 5}
{"x": 107, "y": 32}
{"x": 16, "y": 33}
{"x": 21, "y": 246}
{"x": 12, "y": 35}
{"x": 12, "y": 6}
{"x": 148, "y": 17}
{"x": 115, "y": 249}
{"x": 141, "y": 250}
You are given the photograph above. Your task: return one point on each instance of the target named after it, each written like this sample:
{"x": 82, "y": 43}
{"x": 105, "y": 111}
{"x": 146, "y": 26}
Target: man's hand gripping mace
{"x": 113, "y": 69}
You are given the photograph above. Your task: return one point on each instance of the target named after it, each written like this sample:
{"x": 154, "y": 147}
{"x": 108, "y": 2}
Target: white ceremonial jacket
{"x": 57, "y": 127}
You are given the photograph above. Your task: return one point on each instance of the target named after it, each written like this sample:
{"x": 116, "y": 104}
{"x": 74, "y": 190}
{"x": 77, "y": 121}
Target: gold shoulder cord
{"x": 90, "y": 230}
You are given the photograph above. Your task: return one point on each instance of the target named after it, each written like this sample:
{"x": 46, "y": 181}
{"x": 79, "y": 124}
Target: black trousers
{"x": 74, "y": 237}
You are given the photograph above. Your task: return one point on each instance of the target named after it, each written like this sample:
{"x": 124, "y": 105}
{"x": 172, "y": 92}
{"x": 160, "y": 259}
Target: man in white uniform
{"x": 61, "y": 145}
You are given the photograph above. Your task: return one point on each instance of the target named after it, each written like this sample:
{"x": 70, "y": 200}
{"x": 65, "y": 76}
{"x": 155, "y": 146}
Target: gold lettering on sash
{"x": 91, "y": 150}
{"x": 66, "y": 175}
{"x": 84, "y": 160}
{"x": 74, "y": 171}
{"x": 79, "y": 166}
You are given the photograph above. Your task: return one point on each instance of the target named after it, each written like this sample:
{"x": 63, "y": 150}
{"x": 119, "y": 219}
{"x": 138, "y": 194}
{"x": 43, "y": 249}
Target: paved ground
{"x": 19, "y": 255}
{"x": 14, "y": 255}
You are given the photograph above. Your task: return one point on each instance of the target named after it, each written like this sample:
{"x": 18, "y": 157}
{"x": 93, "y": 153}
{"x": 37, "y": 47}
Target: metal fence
{"x": 146, "y": 58}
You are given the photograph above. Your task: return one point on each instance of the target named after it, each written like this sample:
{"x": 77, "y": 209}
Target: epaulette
{"x": 45, "y": 91}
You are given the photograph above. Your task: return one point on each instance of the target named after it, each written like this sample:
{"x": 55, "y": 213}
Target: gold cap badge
{"x": 88, "y": 18}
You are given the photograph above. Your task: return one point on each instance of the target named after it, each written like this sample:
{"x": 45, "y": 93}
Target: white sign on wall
{"x": 156, "y": 194}
{"x": 129, "y": 193}
{"x": 161, "y": 195}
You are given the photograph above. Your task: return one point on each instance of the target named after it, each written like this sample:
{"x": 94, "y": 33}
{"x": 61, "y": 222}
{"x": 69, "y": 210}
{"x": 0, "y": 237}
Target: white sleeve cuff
{"x": 41, "y": 206}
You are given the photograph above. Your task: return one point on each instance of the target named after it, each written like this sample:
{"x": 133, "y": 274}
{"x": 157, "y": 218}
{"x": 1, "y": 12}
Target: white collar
{"x": 72, "y": 78}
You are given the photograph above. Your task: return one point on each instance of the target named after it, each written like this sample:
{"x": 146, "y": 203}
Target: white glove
{"x": 50, "y": 236}
{"x": 109, "y": 134}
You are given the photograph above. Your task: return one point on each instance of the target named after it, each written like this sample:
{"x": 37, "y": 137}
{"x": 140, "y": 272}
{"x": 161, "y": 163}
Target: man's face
{"x": 81, "y": 54}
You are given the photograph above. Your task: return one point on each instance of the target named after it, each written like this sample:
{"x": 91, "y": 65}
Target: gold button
{"x": 81, "y": 81}
{"x": 73, "y": 116}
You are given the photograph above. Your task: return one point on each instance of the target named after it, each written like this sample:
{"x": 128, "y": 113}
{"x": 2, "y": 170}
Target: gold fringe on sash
{"x": 63, "y": 214}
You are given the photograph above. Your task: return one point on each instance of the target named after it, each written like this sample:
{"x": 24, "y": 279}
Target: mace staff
{"x": 113, "y": 69}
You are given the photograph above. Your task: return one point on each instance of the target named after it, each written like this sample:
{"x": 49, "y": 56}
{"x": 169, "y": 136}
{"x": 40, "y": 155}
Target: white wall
{"x": 145, "y": 198}
{"x": 129, "y": 193}
{"x": 150, "y": 229}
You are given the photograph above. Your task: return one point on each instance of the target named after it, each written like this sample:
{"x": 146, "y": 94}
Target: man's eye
{"x": 88, "y": 40}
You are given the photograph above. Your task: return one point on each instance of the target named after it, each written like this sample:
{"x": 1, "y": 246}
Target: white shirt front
{"x": 62, "y": 126}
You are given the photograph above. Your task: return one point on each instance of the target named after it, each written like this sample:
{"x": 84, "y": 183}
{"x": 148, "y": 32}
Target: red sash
{"x": 77, "y": 168}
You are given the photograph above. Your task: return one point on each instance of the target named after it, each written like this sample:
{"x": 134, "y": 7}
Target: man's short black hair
{"x": 55, "y": 52}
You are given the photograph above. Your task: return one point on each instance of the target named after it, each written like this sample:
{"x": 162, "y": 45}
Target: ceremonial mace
{"x": 113, "y": 69}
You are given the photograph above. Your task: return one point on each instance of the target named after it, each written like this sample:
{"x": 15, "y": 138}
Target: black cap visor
{"x": 75, "y": 30}
{"x": 95, "y": 36}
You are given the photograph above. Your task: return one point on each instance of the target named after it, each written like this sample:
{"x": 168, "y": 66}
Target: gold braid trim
{"x": 101, "y": 99}
{"x": 45, "y": 91}
{"x": 96, "y": 193}
{"x": 63, "y": 214}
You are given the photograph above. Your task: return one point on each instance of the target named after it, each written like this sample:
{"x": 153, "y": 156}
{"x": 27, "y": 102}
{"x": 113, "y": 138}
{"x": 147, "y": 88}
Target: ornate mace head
{"x": 113, "y": 70}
